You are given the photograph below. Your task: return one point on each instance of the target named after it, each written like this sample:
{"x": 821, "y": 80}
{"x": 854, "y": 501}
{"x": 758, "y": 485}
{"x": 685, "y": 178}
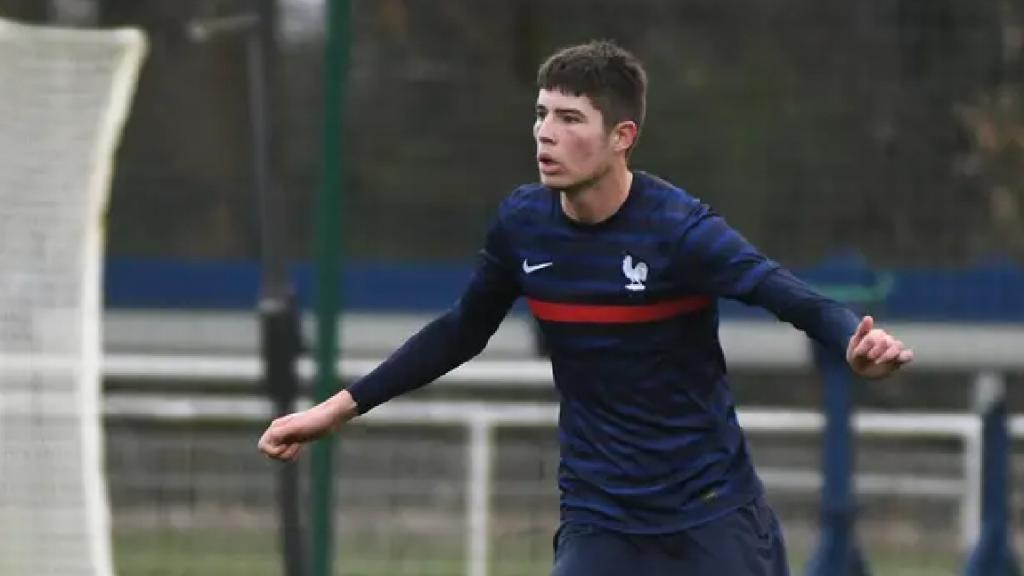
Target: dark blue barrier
{"x": 990, "y": 293}
{"x": 838, "y": 552}
{"x": 131, "y": 283}
{"x": 993, "y": 553}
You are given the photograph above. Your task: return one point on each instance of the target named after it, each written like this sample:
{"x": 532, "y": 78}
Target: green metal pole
{"x": 328, "y": 270}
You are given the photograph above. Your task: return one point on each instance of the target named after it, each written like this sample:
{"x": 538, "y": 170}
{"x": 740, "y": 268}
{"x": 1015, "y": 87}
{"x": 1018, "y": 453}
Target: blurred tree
{"x": 183, "y": 183}
{"x": 995, "y": 122}
{"x": 812, "y": 125}
{"x": 24, "y": 10}
{"x": 75, "y": 12}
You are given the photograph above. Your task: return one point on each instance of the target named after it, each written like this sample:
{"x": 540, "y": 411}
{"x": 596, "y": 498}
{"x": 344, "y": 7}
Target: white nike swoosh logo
{"x": 531, "y": 269}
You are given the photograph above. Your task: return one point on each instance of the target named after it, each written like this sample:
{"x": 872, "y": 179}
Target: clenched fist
{"x": 285, "y": 437}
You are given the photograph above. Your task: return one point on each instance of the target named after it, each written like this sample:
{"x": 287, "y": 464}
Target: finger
{"x": 264, "y": 443}
{"x": 273, "y": 450}
{"x": 866, "y": 344}
{"x": 291, "y": 452}
{"x": 867, "y": 324}
{"x": 270, "y": 444}
{"x": 882, "y": 343}
{"x": 891, "y": 354}
{"x": 856, "y": 339}
{"x": 906, "y": 356}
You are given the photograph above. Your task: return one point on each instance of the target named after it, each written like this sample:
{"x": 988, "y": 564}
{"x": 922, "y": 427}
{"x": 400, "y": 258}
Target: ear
{"x": 624, "y": 135}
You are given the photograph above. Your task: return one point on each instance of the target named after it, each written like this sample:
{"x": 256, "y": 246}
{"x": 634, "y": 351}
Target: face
{"x": 573, "y": 146}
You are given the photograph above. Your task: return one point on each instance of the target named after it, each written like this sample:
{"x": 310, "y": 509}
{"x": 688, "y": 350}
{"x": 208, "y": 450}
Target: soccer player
{"x": 622, "y": 270}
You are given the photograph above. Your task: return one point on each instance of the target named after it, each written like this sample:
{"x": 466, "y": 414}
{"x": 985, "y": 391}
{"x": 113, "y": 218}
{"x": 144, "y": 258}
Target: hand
{"x": 284, "y": 438}
{"x": 874, "y": 353}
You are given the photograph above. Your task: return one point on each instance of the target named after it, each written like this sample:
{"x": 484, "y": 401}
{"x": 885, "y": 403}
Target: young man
{"x": 622, "y": 270}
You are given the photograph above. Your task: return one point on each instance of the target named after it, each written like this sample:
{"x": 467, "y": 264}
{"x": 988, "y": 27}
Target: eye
{"x": 540, "y": 113}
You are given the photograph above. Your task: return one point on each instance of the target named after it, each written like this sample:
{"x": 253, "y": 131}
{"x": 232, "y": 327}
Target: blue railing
{"x": 987, "y": 293}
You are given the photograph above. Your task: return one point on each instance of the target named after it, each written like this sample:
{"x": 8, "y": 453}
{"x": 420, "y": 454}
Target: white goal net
{"x": 64, "y": 96}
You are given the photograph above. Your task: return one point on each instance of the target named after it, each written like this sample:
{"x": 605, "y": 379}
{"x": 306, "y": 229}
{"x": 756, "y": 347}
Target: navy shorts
{"x": 745, "y": 542}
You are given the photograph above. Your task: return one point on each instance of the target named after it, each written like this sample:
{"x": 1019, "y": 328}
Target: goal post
{"x": 64, "y": 100}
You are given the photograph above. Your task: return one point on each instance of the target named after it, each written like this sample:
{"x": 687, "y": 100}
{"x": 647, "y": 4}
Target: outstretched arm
{"x": 871, "y": 352}
{"x": 716, "y": 259}
{"x": 442, "y": 345}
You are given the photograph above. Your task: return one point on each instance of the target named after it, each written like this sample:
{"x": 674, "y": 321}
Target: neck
{"x": 597, "y": 200}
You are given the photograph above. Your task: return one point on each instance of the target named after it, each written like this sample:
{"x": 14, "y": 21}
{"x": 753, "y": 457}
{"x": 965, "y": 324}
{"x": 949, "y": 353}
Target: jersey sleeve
{"x": 714, "y": 259}
{"x": 717, "y": 260}
{"x": 794, "y": 301}
{"x": 451, "y": 339}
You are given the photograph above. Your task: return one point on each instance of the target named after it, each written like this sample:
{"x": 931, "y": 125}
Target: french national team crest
{"x": 635, "y": 273}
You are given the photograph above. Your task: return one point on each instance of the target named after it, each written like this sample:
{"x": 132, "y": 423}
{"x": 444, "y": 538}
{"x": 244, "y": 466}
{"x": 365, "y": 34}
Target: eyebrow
{"x": 561, "y": 110}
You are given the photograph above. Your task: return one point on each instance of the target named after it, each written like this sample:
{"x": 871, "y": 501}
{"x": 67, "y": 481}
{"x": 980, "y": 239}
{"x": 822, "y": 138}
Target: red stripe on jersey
{"x": 596, "y": 314}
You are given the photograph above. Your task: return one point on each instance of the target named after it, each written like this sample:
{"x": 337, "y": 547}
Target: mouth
{"x": 547, "y": 164}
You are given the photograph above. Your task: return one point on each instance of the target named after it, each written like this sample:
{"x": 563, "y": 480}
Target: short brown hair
{"x": 612, "y": 77}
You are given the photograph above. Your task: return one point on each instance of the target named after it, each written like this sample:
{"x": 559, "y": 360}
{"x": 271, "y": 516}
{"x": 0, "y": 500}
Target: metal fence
{"x": 448, "y": 486}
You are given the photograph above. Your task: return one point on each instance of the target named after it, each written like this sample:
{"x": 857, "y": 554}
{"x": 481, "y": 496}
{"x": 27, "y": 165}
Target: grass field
{"x": 169, "y": 553}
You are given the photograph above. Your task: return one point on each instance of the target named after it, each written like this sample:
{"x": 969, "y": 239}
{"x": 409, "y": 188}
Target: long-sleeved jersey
{"x": 650, "y": 442}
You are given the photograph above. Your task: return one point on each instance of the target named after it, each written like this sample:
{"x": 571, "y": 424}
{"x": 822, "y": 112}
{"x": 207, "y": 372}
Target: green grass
{"x": 166, "y": 553}
{"x": 893, "y": 562}
{"x": 240, "y": 553}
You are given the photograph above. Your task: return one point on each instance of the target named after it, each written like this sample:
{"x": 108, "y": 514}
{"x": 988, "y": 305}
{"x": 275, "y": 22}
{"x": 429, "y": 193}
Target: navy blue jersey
{"x": 649, "y": 439}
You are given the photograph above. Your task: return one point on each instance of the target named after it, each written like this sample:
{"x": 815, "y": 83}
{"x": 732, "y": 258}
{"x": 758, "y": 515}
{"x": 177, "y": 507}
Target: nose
{"x": 543, "y": 131}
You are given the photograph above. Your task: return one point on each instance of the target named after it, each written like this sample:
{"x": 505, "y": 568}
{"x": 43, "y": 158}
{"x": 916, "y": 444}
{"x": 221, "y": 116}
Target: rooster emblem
{"x": 636, "y": 274}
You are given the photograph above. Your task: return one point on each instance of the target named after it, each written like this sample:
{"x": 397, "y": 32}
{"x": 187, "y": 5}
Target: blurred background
{"x": 876, "y": 147}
